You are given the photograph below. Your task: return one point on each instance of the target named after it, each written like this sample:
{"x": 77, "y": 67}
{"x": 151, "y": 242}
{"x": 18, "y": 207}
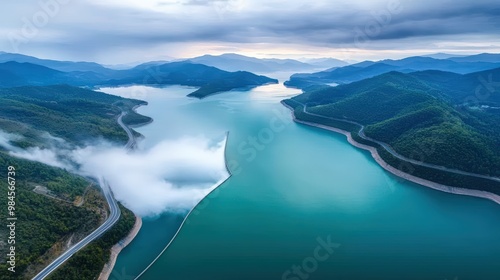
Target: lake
{"x": 301, "y": 204}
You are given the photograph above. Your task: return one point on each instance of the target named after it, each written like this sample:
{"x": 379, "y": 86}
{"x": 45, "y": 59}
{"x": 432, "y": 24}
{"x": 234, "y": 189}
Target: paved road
{"x": 112, "y": 219}
{"x": 108, "y": 224}
{"x": 131, "y": 139}
{"x": 389, "y": 149}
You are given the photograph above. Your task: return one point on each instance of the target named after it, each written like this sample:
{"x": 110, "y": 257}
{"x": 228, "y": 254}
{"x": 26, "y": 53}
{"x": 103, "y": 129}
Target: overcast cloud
{"x": 112, "y": 31}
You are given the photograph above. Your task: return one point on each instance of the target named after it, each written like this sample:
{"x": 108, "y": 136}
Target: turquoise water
{"x": 295, "y": 189}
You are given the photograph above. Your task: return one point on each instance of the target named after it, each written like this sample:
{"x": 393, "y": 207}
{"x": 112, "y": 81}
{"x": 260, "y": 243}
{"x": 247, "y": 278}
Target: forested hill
{"x": 210, "y": 80}
{"x": 74, "y": 114}
{"x": 457, "y": 115}
{"x": 369, "y": 69}
{"x": 66, "y": 207}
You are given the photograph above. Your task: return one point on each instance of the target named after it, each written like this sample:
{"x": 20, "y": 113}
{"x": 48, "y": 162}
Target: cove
{"x": 295, "y": 188}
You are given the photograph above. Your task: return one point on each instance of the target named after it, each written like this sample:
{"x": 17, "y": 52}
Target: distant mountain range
{"x": 484, "y": 57}
{"x": 214, "y": 74}
{"x": 236, "y": 62}
{"x": 368, "y": 69}
{"x": 20, "y": 70}
{"x": 442, "y": 55}
{"x": 327, "y": 62}
{"x": 65, "y": 66}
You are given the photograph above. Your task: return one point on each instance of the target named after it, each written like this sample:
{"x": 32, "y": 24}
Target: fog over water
{"x": 172, "y": 176}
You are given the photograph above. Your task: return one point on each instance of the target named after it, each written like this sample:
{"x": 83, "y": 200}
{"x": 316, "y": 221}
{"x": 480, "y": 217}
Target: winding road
{"x": 389, "y": 149}
{"x": 131, "y": 144}
{"x": 113, "y": 217}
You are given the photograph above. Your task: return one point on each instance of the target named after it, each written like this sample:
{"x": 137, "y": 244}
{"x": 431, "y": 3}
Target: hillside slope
{"x": 67, "y": 207}
{"x": 73, "y": 114}
{"x": 210, "y": 80}
{"x": 369, "y": 69}
{"x": 422, "y": 109}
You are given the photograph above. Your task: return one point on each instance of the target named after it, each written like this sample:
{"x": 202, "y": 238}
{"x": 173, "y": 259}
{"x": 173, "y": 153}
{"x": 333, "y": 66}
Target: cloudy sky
{"x": 124, "y": 31}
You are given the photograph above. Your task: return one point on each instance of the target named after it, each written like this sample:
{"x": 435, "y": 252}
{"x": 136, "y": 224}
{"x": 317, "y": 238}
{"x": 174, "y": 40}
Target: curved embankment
{"x": 117, "y": 248}
{"x": 192, "y": 209}
{"x": 390, "y": 150}
{"x": 397, "y": 172}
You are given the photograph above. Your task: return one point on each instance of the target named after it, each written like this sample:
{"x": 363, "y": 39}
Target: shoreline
{"x": 374, "y": 153}
{"x": 134, "y": 109}
{"x": 117, "y": 248}
{"x": 245, "y": 88}
{"x": 192, "y": 209}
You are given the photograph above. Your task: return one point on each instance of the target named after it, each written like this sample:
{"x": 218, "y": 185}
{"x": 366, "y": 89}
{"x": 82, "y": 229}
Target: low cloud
{"x": 172, "y": 176}
{"x": 6, "y": 138}
{"x": 45, "y": 156}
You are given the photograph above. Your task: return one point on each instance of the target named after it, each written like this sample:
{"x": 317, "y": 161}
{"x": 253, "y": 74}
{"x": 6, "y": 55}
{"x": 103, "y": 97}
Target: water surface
{"x": 295, "y": 188}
